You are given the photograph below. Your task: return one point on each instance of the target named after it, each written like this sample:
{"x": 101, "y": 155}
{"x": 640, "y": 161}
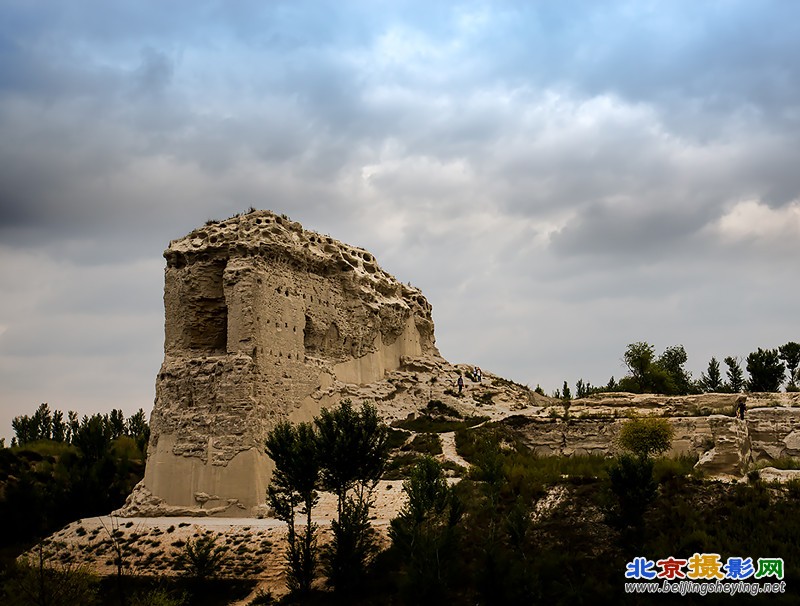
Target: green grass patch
{"x": 45, "y": 448}
{"x": 780, "y": 463}
{"x": 667, "y": 468}
{"x": 428, "y": 424}
{"x": 425, "y": 443}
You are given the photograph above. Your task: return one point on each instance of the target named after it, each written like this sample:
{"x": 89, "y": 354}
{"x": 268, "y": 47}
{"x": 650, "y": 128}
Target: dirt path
{"x": 449, "y": 449}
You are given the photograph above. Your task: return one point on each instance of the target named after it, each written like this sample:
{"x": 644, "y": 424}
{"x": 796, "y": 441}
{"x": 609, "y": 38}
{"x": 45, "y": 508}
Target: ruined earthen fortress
{"x": 266, "y": 321}
{"x": 263, "y": 321}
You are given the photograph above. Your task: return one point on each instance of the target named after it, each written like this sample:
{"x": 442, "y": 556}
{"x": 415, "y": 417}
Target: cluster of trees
{"x": 60, "y": 469}
{"x": 767, "y": 370}
{"x": 91, "y": 434}
{"x": 343, "y": 451}
{"x": 485, "y": 519}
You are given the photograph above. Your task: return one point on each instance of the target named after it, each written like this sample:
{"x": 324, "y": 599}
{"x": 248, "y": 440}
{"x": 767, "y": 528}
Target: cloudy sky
{"x": 560, "y": 178}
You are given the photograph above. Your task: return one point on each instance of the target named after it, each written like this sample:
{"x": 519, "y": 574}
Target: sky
{"x": 560, "y": 179}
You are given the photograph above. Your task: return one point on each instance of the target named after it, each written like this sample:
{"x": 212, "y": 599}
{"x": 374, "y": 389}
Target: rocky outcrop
{"x": 263, "y": 321}
{"x": 726, "y": 446}
{"x": 774, "y": 433}
{"x": 730, "y": 454}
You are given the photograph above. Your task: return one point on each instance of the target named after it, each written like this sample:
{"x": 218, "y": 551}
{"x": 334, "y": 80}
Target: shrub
{"x": 633, "y": 485}
{"x": 158, "y": 597}
{"x": 646, "y": 436}
{"x": 41, "y": 582}
{"x": 201, "y": 558}
{"x": 395, "y": 438}
{"x": 426, "y": 443}
{"x": 427, "y": 424}
{"x": 400, "y": 466}
{"x": 668, "y": 468}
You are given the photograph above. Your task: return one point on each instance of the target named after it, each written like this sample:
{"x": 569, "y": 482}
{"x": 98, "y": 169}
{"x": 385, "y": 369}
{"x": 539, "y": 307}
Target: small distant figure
{"x": 460, "y": 383}
{"x": 740, "y": 409}
{"x": 478, "y": 373}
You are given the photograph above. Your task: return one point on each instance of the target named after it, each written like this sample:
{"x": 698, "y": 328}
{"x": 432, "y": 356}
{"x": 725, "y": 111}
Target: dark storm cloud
{"x": 629, "y": 230}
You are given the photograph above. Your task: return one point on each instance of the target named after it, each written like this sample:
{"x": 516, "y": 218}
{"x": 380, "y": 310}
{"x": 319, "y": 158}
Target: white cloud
{"x": 752, "y": 220}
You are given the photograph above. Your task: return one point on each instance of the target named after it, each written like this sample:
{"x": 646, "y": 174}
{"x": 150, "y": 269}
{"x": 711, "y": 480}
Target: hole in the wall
{"x": 205, "y": 310}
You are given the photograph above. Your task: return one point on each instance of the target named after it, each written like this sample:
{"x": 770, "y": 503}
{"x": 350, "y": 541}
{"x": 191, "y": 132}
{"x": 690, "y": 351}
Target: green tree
{"x": 672, "y": 361}
{"x": 565, "y": 392}
{"x": 59, "y": 428}
{"x": 137, "y": 428}
{"x": 93, "y": 437}
{"x": 645, "y": 437}
{"x": 790, "y": 353}
{"x": 116, "y": 423}
{"x": 666, "y": 374}
{"x": 294, "y": 483}
{"x": 631, "y": 477}
{"x": 73, "y": 425}
{"x": 43, "y": 420}
{"x": 353, "y": 451}
{"x": 735, "y": 374}
{"x": 638, "y": 357}
{"x": 631, "y": 481}
{"x": 424, "y": 533}
{"x": 25, "y": 430}
{"x": 765, "y": 369}
{"x": 352, "y": 448}
{"x": 711, "y": 381}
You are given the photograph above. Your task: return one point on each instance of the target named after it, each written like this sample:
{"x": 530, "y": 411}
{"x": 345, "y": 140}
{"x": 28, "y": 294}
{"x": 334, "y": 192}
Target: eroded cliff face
{"x": 704, "y": 426}
{"x": 264, "y": 321}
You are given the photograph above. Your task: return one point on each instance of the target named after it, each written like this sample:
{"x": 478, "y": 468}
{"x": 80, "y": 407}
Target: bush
{"x": 395, "y": 438}
{"x": 667, "y": 468}
{"x": 427, "y": 424}
{"x": 43, "y": 583}
{"x": 426, "y": 443}
{"x": 646, "y": 437}
{"x": 157, "y": 597}
{"x": 634, "y": 487}
{"x": 400, "y": 466}
{"x": 201, "y": 558}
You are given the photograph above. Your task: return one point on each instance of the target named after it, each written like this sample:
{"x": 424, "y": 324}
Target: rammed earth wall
{"x": 262, "y": 320}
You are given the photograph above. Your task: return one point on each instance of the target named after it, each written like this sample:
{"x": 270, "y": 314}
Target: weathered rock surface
{"x": 726, "y": 446}
{"x": 264, "y": 321}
